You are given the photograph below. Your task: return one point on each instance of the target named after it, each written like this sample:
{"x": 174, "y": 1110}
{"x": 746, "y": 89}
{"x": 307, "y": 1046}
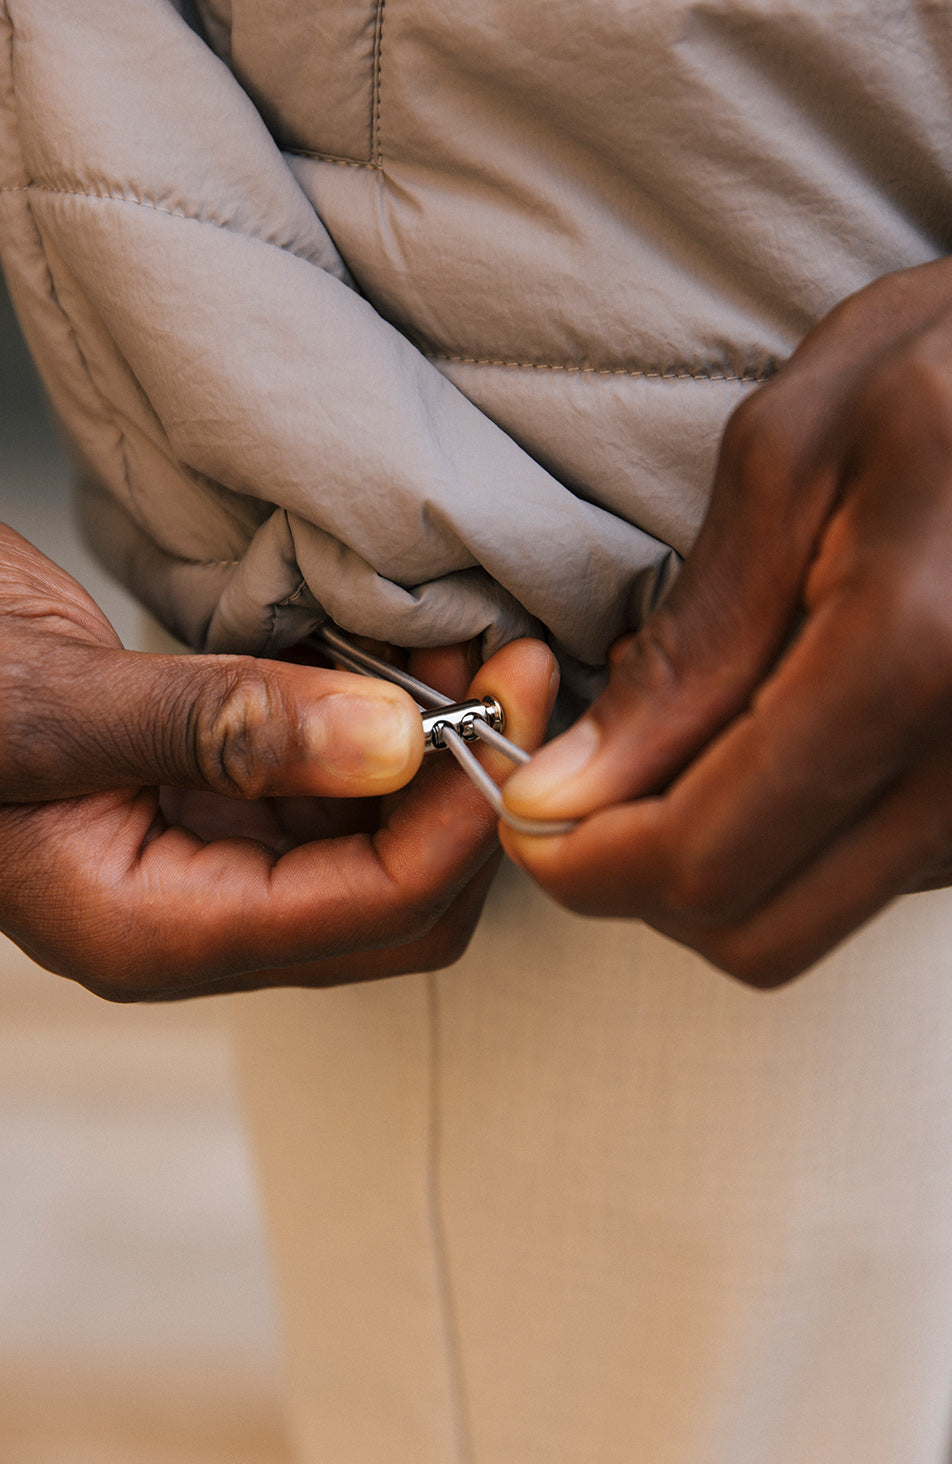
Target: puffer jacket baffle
{"x": 427, "y": 315}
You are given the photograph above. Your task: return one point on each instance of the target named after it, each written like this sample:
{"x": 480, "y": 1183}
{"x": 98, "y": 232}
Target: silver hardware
{"x": 463, "y": 717}
{"x": 461, "y": 723}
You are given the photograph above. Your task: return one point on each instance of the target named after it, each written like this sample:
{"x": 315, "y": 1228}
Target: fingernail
{"x": 362, "y": 736}
{"x": 542, "y": 781}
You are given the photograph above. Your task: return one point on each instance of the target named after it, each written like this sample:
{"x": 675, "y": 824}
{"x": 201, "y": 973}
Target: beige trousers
{"x": 581, "y": 1200}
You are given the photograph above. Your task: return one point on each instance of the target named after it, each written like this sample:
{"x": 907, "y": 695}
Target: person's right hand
{"x": 174, "y": 825}
{"x": 771, "y": 763}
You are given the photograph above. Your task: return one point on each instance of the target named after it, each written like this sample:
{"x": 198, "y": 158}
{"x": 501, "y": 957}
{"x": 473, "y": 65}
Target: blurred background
{"x": 136, "y": 1317}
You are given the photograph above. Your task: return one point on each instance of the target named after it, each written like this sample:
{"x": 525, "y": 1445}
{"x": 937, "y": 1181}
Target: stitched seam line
{"x": 323, "y": 157}
{"x": 376, "y": 144}
{"x": 172, "y": 213}
{"x": 673, "y": 373}
{"x": 567, "y": 367}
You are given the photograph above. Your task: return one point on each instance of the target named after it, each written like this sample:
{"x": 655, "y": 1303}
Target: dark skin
{"x": 771, "y": 763}
{"x": 174, "y": 826}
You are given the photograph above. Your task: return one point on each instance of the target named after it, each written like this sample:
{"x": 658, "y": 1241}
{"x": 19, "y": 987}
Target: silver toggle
{"x": 462, "y": 717}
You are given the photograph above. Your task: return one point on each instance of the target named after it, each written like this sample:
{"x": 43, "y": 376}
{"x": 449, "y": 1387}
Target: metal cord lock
{"x": 451, "y": 725}
{"x": 462, "y": 717}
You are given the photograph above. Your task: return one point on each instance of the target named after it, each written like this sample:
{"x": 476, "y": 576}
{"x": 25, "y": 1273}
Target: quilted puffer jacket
{"x": 427, "y": 315}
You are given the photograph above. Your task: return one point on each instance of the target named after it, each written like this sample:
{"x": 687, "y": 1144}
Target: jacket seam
{"x": 172, "y": 213}
{"x": 325, "y": 157}
{"x": 667, "y": 373}
{"x": 376, "y": 139}
{"x": 573, "y": 368}
{"x": 375, "y": 162}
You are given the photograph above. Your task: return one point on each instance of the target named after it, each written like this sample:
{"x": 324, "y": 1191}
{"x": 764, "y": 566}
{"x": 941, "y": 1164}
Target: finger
{"x": 76, "y": 718}
{"x": 440, "y": 947}
{"x": 877, "y": 861}
{"x": 789, "y": 452}
{"x": 523, "y": 676}
{"x": 832, "y": 731}
{"x": 524, "y": 679}
{"x": 134, "y": 908}
{"x": 853, "y": 704}
{"x": 790, "y": 832}
{"x": 35, "y": 590}
{"x": 896, "y": 849}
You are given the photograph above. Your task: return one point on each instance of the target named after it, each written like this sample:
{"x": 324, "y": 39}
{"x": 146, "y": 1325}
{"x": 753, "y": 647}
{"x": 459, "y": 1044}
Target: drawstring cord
{"x": 475, "y": 725}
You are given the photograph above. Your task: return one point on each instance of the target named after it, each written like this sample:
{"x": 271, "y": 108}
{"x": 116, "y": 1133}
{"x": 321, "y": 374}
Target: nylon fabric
{"x": 427, "y": 316}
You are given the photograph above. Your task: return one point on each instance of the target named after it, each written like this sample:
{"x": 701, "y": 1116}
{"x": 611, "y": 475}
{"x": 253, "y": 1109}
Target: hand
{"x": 772, "y": 760}
{"x": 276, "y": 853}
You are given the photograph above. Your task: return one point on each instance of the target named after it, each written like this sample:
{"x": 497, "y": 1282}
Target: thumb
{"x": 694, "y": 664}
{"x": 78, "y": 718}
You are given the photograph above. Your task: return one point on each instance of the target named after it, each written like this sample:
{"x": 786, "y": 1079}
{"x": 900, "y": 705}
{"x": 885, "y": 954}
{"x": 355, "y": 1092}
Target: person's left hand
{"x": 172, "y": 826}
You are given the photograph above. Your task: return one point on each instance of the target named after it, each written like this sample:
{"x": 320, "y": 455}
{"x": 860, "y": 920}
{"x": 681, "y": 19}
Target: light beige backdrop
{"x": 136, "y": 1320}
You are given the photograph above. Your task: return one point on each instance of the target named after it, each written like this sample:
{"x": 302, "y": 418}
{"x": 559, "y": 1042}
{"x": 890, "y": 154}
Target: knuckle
{"x": 238, "y": 731}
{"x": 904, "y": 411}
{"x": 34, "y": 737}
{"x": 743, "y": 428}
{"x": 578, "y": 897}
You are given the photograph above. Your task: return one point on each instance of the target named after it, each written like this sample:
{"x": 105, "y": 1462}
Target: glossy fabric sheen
{"x": 428, "y": 315}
